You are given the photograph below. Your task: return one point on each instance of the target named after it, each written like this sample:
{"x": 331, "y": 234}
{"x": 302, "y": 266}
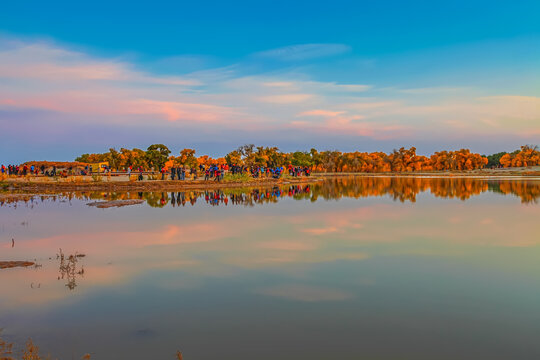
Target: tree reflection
{"x": 399, "y": 188}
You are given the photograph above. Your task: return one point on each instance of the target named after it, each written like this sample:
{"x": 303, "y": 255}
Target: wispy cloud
{"x": 76, "y": 88}
{"x": 286, "y": 98}
{"x": 323, "y": 113}
{"x": 304, "y": 52}
{"x": 48, "y": 62}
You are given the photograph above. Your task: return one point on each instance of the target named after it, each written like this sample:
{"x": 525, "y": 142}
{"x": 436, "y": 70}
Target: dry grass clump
{"x": 6, "y": 349}
{"x": 31, "y": 352}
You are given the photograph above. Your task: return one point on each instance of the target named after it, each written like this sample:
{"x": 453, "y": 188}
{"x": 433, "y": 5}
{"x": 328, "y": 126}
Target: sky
{"x": 78, "y": 77}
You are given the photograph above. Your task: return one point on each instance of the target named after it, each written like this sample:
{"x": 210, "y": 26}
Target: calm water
{"x": 357, "y": 268}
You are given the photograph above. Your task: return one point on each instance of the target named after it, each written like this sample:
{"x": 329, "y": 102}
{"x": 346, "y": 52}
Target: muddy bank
{"x": 114, "y": 203}
{"x": 147, "y": 185}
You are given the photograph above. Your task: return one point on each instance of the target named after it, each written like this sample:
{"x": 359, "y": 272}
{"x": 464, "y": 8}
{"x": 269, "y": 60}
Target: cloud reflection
{"x": 304, "y": 293}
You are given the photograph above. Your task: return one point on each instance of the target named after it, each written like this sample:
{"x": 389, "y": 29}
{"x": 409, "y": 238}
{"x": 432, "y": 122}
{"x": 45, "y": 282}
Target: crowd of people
{"x": 217, "y": 172}
{"x": 214, "y": 172}
{"x": 23, "y": 170}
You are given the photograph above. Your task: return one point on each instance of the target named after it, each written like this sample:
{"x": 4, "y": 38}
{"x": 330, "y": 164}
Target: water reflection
{"x": 403, "y": 189}
{"x": 310, "y": 278}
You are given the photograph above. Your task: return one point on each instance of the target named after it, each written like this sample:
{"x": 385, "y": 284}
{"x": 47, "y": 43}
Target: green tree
{"x": 300, "y": 158}
{"x": 85, "y": 158}
{"x": 114, "y": 158}
{"x": 157, "y": 155}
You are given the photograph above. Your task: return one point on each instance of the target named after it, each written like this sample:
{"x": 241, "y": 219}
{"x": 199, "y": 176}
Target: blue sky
{"x": 81, "y": 77}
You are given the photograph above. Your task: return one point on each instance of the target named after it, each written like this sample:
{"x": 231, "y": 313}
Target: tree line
{"x": 158, "y": 156}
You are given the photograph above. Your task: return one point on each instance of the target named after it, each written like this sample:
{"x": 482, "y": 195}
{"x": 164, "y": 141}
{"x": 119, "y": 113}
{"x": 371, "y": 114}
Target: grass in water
{"x": 31, "y": 352}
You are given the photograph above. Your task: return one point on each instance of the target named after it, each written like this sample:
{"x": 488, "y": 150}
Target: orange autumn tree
{"x": 135, "y": 158}
{"x": 187, "y": 158}
{"x": 527, "y": 156}
{"x": 207, "y": 161}
{"x": 401, "y": 160}
{"x": 458, "y": 160}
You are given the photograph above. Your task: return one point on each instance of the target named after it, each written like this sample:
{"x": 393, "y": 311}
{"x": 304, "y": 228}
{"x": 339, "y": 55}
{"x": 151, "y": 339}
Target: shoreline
{"x": 73, "y": 183}
{"x": 36, "y": 187}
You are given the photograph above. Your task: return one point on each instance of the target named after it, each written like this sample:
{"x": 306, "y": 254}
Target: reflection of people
{"x": 162, "y": 200}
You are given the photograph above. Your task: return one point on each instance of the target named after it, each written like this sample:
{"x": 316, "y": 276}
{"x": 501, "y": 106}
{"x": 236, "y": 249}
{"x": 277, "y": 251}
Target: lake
{"x": 349, "y": 268}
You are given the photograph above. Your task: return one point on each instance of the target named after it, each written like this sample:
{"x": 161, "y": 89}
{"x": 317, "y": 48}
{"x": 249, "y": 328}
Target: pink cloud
{"x": 323, "y": 113}
{"x": 177, "y": 111}
{"x": 282, "y": 84}
{"x": 47, "y": 76}
{"x": 286, "y": 98}
{"x": 288, "y": 245}
{"x": 350, "y": 125}
{"x": 7, "y": 102}
{"x": 320, "y": 231}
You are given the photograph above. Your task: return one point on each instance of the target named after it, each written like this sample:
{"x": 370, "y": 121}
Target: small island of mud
{"x": 14, "y": 264}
